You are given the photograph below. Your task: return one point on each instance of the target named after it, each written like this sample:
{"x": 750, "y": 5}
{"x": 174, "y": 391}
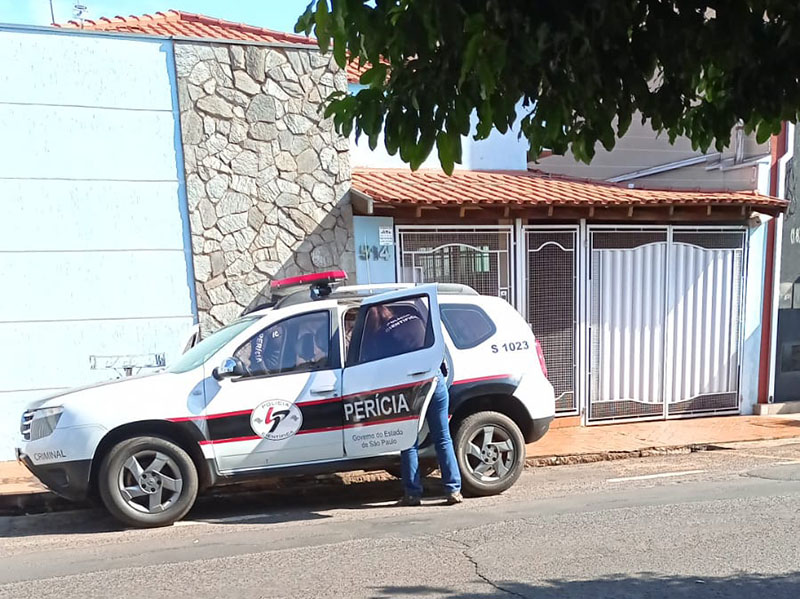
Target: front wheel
{"x": 490, "y": 450}
{"x": 147, "y": 482}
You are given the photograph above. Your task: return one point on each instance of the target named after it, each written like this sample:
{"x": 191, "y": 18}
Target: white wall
{"x": 94, "y": 256}
{"x": 497, "y": 152}
{"x": 754, "y": 298}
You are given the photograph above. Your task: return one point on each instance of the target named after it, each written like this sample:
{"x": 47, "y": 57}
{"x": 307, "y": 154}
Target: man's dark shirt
{"x": 400, "y": 334}
{"x": 265, "y": 352}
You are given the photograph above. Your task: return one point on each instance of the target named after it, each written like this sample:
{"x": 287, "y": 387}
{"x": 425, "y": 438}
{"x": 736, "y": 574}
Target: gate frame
{"x": 669, "y": 346}
{"x": 589, "y": 229}
{"x": 742, "y": 312}
{"x": 512, "y": 250}
{"x": 517, "y": 257}
{"x": 579, "y": 290}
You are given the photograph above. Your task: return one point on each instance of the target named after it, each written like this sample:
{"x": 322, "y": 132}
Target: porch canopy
{"x": 491, "y": 195}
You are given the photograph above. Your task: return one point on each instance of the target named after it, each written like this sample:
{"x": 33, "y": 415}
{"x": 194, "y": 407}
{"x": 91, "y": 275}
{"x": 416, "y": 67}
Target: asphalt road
{"x": 721, "y": 524}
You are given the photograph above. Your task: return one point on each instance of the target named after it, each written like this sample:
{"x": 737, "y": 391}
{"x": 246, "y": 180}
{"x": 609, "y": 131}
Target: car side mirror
{"x": 230, "y": 367}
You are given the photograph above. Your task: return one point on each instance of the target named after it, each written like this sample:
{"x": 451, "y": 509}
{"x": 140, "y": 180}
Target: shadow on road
{"x": 222, "y": 507}
{"x": 622, "y": 586}
{"x": 76, "y": 522}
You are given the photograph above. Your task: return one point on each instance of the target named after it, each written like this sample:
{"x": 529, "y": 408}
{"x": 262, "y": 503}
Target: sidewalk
{"x": 19, "y": 491}
{"x": 594, "y": 443}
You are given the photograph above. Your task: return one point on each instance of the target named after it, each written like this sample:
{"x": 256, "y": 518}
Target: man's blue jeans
{"x": 440, "y": 433}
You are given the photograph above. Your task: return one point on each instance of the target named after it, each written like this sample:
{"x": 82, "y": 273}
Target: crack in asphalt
{"x": 488, "y": 581}
{"x": 465, "y": 548}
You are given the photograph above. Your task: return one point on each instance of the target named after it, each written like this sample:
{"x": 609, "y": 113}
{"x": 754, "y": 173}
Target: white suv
{"x": 298, "y": 386}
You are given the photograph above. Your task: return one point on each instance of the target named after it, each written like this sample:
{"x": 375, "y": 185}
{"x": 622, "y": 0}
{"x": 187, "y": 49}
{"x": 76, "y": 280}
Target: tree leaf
{"x": 305, "y": 22}
{"x": 764, "y": 132}
{"x": 447, "y": 153}
{"x": 375, "y": 74}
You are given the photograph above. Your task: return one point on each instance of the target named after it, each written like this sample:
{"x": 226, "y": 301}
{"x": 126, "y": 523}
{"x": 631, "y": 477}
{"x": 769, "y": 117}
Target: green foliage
{"x": 571, "y": 71}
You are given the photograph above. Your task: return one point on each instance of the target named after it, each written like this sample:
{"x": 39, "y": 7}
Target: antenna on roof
{"x": 52, "y": 14}
{"x": 78, "y": 11}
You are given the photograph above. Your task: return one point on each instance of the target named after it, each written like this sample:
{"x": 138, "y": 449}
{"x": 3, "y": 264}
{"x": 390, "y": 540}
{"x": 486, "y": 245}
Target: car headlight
{"x": 40, "y": 423}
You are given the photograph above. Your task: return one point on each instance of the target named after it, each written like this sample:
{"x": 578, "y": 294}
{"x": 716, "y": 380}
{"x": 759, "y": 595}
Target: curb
{"x": 45, "y": 501}
{"x": 35, "y": 502}
{"x": 609, "y": 456}
{"x": 40, "y": 502}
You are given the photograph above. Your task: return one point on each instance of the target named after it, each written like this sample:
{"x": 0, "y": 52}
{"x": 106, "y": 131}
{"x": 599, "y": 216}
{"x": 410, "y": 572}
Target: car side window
{"x": 467, "y": 324}
{"x": 297, "y": 344}
{"x": 395, "y": 328}
{"x": 348, "y": 325}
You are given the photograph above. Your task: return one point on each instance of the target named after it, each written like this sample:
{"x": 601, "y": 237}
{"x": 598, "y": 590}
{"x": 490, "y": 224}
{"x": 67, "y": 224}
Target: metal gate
{"x": 705, "y": 307}
{"x": 551, "y": 292}
{"x": 476, "y": 256}
{"x": 665, "y": 306}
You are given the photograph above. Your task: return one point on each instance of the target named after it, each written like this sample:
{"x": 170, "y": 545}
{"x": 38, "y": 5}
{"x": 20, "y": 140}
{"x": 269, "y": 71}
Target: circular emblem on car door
{"x": 276, "y": 420}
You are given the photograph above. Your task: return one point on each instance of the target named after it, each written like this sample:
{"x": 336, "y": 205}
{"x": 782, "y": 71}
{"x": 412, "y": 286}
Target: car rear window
{"x": 467, "y": 325}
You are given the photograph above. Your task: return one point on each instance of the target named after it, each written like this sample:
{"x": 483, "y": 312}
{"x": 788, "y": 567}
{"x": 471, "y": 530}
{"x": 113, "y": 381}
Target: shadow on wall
{"x": 284, "y": 246}
{"x": 622, "y": 586}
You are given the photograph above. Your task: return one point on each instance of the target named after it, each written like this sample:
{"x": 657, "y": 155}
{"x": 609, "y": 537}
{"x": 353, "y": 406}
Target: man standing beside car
{"x": 400, "y": 333}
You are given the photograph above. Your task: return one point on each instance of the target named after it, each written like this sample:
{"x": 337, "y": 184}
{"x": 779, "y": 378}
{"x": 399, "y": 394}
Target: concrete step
{"x": 776, "y": 409}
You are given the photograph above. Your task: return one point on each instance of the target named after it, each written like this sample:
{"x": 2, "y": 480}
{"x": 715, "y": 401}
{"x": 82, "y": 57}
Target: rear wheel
{"x": 147, "y": 482}
{"x": 490, "y": 450}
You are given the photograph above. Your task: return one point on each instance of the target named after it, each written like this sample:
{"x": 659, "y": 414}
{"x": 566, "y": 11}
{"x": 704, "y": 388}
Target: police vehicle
{"x": 303, "y": 382}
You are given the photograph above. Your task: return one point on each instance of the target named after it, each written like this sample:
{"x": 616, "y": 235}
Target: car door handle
{"x": 323, "y": 390}
{"x": 419, "y": 373}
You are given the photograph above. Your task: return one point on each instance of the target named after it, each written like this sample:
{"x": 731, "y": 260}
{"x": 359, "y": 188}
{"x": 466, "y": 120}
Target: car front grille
{"x": 25, "y": 425}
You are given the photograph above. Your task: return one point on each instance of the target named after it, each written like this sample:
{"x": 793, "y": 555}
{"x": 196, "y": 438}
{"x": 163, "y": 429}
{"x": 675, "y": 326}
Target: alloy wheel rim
{"x": 150, "y": 481}
{"x": 490, "y": 453}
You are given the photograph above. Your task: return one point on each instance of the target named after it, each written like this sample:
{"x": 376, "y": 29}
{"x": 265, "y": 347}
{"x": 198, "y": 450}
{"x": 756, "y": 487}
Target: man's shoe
{"x": 409, "y": 500}
{"x": 454, "y": 498}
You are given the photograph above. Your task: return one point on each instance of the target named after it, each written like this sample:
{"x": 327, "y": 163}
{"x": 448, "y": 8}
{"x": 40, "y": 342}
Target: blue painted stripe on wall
{"x": 182, "y": 197}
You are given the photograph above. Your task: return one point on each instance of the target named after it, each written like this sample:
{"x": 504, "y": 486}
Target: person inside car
{"x": 265, "y": 351}
{"x": 312, "y": 346}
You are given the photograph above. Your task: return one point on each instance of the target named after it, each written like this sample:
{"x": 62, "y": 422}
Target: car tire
{"x": 147, "y": 482}
{"x": 490, "y": 451}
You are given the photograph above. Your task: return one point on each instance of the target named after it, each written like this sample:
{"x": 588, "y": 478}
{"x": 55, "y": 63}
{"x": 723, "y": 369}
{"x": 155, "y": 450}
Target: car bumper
{"x": 67, "y": 479}
{"x": 538, "y": 429}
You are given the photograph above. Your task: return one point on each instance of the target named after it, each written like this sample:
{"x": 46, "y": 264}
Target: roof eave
{"x": 362, "y": 202}
{"x": 151, "y": 36}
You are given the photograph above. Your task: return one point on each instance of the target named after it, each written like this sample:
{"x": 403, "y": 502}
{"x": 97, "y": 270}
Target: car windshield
{"x": 201, "y": 352}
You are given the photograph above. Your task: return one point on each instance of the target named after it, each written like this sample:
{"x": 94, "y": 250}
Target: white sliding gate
{"x": 665, "y": 305}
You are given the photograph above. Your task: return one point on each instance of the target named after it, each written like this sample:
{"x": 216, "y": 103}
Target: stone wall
{"x": 266, "y": 175}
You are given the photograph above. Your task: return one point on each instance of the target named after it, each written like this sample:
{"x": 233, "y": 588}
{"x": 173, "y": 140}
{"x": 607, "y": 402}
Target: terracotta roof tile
{"x": 517, "y": 188}
{"x": 179, "y": 23}
{"x": 175, "y": 23}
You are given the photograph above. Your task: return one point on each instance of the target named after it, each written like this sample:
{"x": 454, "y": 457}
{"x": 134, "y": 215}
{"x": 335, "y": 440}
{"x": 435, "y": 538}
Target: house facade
{"x": 647, "y": 303}
{"x": 163, "y": 199}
